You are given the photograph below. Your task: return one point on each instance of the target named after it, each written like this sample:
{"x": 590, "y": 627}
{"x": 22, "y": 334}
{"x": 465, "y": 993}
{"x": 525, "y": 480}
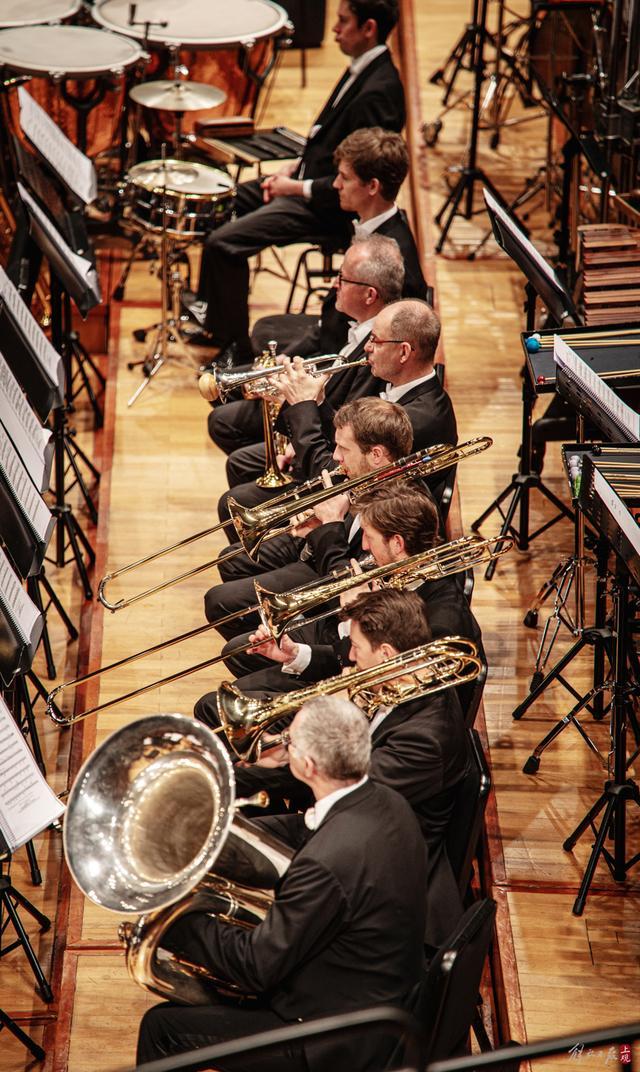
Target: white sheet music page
{"x": 33, "y": 506}
{"x": 82, "y": 267}
{"x": 73, "y": 167}
{"x": 522, "y": 239}
{"x": 32, "y": 442}
{"x": 596, "y": 388}
{"x": 27, "y": 804}
{"x": 21, "y": 609}
{"x": 48, "y": 357}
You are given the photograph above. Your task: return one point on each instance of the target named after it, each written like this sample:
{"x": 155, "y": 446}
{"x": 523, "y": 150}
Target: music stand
{"x": 542, "y": 283}
{"x": 72, "y": 277}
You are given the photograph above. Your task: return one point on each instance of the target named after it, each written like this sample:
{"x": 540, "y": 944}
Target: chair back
{"x": 452, "y": 982}
{"x": 463, "y": 829}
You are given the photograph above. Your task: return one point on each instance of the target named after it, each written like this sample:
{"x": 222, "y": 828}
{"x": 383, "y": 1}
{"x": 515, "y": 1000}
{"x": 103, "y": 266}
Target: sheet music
{"x": 617, "y": 509}
{"x": 22, "y": 610}
{"x": 30, "y": 439}
{"x": 522, "y": 240}
{"x": 33, "y": 506}
{"x": 82, "y": 267}
{"x": 72, "y": 165}
{"x": 48, "y": 357}
{"x": 596, "y": 388}
{"x": 27, "y": 804}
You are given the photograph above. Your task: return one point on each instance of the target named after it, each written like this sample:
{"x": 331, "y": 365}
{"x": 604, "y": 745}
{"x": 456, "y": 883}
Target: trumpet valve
{"x": 208, "y": 387}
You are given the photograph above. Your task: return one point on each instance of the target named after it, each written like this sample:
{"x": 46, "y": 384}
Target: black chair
{"x": 315, "y": 280}
{"x": 473, "y": 696}
{"x": 465, "y": 825}
{"x": 449, "y": 998}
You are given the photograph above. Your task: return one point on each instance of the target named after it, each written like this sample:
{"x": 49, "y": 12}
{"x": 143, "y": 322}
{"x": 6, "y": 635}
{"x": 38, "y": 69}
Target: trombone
{"x": 430, "y": 668}
{"x": 255, "y": 525}
{"x": 279, "y": 610}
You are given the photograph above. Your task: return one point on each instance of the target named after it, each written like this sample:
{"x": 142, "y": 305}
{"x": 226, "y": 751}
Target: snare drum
{"x": 36, "y": 12}
{"x": 197, "y": 197}
{"x": 65, "y": 59}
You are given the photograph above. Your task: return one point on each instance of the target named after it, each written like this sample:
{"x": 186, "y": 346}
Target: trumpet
{"x": 221, "y": 383}
{"x": 409, "y": 675}
{"x": 255, "y": 525}
{"x": 279, "y": 610}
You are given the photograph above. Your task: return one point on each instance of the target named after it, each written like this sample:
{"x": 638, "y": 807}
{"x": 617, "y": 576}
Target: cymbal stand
{"x": 618, "y": 789}
{"x": 168, "y": 330}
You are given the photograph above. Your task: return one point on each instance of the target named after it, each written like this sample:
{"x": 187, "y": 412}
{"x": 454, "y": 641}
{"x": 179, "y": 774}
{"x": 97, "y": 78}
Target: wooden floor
{"x": 161, "y": 479}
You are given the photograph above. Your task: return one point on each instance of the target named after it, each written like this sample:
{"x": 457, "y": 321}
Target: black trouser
{"x": 231, "y": 596}
{"x": 236, "y": 424}
{"x": 169, "y": 1029}
{"x": 224, "y": 274}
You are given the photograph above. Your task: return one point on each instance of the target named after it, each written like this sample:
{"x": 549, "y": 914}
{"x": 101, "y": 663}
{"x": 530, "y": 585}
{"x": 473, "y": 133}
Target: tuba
{"x": 152, "y": 827}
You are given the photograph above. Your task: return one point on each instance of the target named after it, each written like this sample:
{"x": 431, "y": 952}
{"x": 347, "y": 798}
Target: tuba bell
{"x": 150, "y": 813}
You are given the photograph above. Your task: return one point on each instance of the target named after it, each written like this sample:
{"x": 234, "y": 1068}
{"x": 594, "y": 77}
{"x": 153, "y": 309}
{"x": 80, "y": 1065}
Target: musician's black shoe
{"x": 198, "y": 337}
{"x": 226, "y": 359}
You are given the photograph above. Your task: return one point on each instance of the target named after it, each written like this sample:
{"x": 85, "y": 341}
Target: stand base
{"x": 17, "y": 1032}
{"x": 613, "y": 801}
{"x": 10, "y": 899}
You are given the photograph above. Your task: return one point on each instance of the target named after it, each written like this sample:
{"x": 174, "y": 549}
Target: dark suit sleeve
{"x": 304, "y": 427}
{"x": 409, "y": 764}
{"x": 330, "y": 548}
{"x": 307, "y": 914}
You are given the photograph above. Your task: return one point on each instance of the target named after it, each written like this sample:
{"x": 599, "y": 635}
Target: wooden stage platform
{"x": 161, "y": 477}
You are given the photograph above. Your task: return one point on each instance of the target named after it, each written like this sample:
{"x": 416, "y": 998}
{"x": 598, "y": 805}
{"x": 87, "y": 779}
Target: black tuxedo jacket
{"x": 376, "y": 99}
{"x": 345, "y": 930}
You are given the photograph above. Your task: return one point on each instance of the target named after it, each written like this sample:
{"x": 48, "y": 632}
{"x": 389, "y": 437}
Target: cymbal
{"x": 177, "y": 96}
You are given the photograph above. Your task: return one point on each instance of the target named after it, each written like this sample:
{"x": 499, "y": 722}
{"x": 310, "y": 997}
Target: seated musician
{"x": 298, "y": 203}
{"x": 372, "y": 165}
{"x": 369, "y": 433}
{"x": 346, "y": 926}
{"x": 398, "y": 520}
{"x": 401, "y": 350}
{"x": 372, "y": 276}
{"x": 418, "y": 747}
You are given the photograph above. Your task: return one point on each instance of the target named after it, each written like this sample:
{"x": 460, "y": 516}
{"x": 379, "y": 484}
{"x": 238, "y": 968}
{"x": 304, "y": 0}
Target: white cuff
{"x": 301, "y": 661}
{"x": 307, "y": 189}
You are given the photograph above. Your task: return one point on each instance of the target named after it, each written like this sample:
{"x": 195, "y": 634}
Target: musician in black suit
{"x": 401, "y": 348}
{"x": 299, "y": 202}
{"x": 372, "y": 165}
{"x": 346, "y": 926}
{"x": 418, "y": 747}
{"x": 369, "y": 433}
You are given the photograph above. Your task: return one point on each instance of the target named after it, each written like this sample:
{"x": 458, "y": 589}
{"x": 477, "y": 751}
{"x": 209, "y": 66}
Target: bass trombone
{"x": 430, "y": 668}
{"x": 279, "y": 610}
{"x": 255, "y": 525}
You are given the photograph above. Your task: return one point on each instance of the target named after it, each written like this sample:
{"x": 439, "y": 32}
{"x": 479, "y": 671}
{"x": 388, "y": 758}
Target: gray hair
{"x": 382, "y": 265}
{"x": 335, "y": 734}
{"x": 414, "y": 321}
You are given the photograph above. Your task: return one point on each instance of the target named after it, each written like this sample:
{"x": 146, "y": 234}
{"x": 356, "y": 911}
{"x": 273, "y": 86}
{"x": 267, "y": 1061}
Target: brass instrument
{"x": 256, "y": 524}
{"x": 272, "y": 476}
{"x": 222, "y": 382}
{"x": 422, "y": 671}
{"x": 278, "y": 610}
{"x": 150, "y": 814}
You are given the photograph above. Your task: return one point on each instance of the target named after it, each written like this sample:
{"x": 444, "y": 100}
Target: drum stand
{"x": 168, "y": 330}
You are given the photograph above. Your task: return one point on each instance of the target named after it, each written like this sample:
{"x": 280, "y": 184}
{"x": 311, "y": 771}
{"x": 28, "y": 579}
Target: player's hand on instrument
{"x": 331, "y": 510}
{"x": 275, "y": 755}
{"x": 304, "y": 523}
{"x": 264, "y": 644}
{"x": 349, "y": 597}
{"x": 284, "y": 461}
{"x": 296, "y": 384}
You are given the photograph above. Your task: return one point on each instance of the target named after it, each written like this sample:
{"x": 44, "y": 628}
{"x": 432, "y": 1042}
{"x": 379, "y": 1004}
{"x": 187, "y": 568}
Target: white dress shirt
{"x": 362, "y": 228}
{"x": 315, "y": 815}
{"x": 394, "y": 394}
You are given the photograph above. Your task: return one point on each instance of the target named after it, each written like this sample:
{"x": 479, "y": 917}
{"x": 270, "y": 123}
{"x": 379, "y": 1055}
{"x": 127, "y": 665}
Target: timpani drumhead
{"x": 195, "y": 23}
{"x": 66, "y": 51}
{"x": 32, "y": 12}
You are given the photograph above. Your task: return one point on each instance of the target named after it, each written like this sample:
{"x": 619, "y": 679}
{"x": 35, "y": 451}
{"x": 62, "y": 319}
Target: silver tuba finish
{"x": 149, "y": 814}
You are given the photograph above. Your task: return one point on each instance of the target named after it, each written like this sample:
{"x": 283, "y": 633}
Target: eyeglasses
{"x": 375, "y": 341}
{"x": 286, "y": 742}
{"x": 354, "y": 282}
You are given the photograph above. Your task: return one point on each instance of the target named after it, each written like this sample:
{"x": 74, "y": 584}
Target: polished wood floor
{"x": 161, "y": 478}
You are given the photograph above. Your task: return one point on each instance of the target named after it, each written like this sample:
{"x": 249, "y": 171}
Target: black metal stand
{"x": 470, "y": 172}
{"x": 525, "y": 480}
{"x": 10, "y": 900}
{"x": 17, "y": 1032}
{"x": 80, "y": 366}
{"x": 619, "y": 789}
{"x": 34, "y": 589}
{"x": 68, "y": 530}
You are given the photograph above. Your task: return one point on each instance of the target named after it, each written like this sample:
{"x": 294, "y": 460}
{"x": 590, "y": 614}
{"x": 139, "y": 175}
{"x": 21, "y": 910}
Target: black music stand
{"x": 542, "y": 283}
{"x": 67, "y": 282}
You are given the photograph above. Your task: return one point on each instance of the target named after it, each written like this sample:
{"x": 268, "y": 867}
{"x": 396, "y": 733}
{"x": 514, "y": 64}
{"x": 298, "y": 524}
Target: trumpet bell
{"x": 149, "y": 813}
{"x": 208, "y": 387}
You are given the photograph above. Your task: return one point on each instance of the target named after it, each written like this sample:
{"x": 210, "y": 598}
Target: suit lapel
{"x": 329, "y": 113}
{"x": 400, "y": 714}
{"x": 351, "y": 800}
{"x": 431, "y": 386}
